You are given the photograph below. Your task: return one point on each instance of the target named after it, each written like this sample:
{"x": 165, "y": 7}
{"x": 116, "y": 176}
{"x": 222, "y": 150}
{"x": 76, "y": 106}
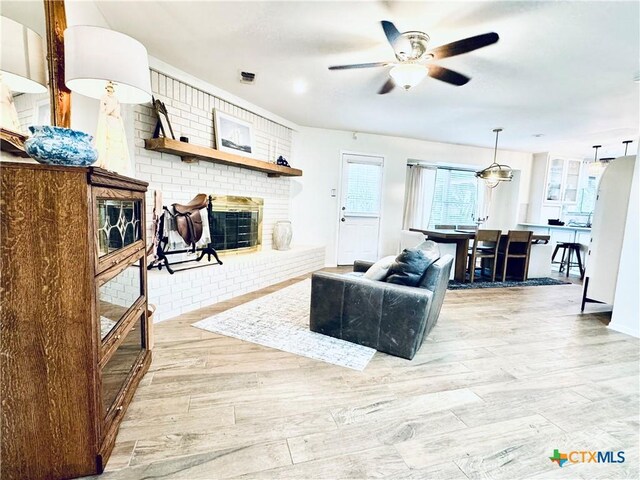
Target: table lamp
{"x": 22, "y": 68}
{"x": 113, "y": 67}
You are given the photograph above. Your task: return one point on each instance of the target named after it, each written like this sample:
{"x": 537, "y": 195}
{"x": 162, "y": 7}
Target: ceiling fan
{"x": 415, "y": 60}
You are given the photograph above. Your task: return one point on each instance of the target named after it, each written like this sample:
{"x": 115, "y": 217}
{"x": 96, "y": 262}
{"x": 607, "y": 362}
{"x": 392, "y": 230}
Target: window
{"x": 363, "y": 189}
{"x": 455, "y": 198}
{"x": 441, "y": 196}
{"x": 588, "y": 194}
{"x": 582, "y": 210}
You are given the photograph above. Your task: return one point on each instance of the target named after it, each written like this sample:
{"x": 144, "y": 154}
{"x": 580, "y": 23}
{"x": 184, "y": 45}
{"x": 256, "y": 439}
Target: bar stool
{"x": 571, "y": 247}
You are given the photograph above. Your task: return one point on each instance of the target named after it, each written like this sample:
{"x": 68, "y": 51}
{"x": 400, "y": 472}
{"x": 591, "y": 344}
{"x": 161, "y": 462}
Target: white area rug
{"x": 281, "y": 320}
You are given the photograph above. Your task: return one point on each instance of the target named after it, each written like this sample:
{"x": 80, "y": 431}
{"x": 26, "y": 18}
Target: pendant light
{"x": 495, "y": 173}
{"x": 596, "y": 167}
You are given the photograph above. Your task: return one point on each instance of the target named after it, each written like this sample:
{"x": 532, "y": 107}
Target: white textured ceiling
{"x": 563, "y": 69}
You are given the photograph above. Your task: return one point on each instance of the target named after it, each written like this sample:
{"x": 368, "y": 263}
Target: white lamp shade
{"x": 22, "y": 60}
{"x": 95, "y": 56}
{"x": 408, "y": 75}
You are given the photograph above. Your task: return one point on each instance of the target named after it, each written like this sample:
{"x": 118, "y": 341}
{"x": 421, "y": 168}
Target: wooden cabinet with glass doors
{"x": 74, "y": 316}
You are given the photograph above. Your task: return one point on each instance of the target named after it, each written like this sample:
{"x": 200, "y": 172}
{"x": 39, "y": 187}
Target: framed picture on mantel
{"x": 163, "y": 126}
{"x": 232, "y": 134}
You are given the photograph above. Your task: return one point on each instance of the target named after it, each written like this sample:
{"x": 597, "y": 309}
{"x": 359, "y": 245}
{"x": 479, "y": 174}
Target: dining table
{"x": 462, "y": 238}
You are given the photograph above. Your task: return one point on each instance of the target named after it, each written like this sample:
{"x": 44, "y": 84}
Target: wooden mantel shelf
{"x": 190, "y": 153}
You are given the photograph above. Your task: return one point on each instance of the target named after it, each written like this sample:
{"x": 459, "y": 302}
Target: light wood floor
{"x": 506, "y": 377}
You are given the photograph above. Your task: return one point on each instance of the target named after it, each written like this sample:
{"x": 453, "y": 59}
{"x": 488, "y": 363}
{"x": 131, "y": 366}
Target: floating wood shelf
{"x": 189, "y": 153}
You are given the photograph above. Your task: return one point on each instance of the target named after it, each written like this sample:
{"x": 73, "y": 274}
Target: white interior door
{"x": 360, "y": 205}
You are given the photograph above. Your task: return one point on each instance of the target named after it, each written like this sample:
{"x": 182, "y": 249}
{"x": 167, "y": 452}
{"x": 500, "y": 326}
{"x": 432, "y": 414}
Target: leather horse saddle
{"x": 189, "y": 220}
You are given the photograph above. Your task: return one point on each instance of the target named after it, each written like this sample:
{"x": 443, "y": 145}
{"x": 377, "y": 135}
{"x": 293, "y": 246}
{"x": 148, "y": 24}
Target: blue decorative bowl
{"x": 60, "y": 146}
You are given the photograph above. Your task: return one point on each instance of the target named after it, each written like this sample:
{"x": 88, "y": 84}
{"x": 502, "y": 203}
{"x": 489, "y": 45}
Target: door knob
{"x": 343, "y": 219}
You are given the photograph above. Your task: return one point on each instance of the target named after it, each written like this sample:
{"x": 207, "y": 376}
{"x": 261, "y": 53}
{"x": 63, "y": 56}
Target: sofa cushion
{"x": 380, "y": 269}
{"x": 409, "y": 267}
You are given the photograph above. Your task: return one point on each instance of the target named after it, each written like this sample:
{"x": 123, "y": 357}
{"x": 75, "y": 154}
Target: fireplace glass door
{"x": 235, "y": 223}
{"x": 232, "y": 230}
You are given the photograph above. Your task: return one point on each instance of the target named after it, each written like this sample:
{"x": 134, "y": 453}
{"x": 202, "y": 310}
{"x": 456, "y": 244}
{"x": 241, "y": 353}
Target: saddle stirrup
{"x": 192, "y": 231}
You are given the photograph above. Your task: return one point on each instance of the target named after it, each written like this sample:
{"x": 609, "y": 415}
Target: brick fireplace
{"x": 191, "y": 114}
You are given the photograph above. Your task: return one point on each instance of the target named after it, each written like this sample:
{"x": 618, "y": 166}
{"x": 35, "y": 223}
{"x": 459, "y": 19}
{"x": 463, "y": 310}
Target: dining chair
{"x": 484, "y": 248}
{"x": 517, "y": 245}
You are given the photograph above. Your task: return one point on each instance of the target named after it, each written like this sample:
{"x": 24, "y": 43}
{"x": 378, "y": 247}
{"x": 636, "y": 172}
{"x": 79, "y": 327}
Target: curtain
{"x": 418, "y": 197}
{"x": 413, "y": 198}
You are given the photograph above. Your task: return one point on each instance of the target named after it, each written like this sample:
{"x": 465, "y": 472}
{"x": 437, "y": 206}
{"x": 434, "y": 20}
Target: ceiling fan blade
{"x": 448, "y": 76}
{"x": 399, "y": 43}
{"x": 390, "y": 31}
{"x": 464, "y": 46}
{"x": 387, "y": 87}
{"x": 359, "y": 65}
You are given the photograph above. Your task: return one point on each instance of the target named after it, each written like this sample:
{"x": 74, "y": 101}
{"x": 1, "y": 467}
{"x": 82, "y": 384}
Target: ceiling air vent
{"x": 247, "y": 77}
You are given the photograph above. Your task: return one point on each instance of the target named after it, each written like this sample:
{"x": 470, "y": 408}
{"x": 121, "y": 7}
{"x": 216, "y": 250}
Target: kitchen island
{"x": 560, "y": 233}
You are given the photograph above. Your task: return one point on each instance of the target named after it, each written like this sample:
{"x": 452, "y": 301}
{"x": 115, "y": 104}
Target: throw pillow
{"x": 431, "y": 248}
{"x": 409, "y": 267}
{"x": 380, "y": 269}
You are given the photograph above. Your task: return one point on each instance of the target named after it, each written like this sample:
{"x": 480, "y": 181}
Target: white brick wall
{"x": 188, "y": 290}
{"x": 191, "y": 114}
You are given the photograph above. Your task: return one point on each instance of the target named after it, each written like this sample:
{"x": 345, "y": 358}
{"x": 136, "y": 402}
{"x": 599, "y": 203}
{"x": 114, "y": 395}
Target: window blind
{"x": 455, "y": 198}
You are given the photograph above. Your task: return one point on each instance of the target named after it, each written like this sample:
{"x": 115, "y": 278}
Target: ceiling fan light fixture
{"x": 408, "y": 75}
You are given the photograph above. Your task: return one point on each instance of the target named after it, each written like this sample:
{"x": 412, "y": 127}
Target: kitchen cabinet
{"x": 562, "y": 181}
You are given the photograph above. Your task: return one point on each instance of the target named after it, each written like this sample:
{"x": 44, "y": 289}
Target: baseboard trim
{"x": 625, "y": 330}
